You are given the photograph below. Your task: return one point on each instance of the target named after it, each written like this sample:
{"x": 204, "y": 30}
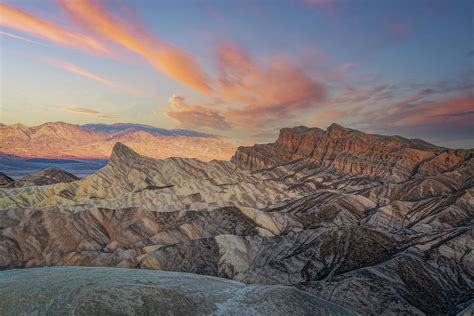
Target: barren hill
{"x": 376, "y": 224}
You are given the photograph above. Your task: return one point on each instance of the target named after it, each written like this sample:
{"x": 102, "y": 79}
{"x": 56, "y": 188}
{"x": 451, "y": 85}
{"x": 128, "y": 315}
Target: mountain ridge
{"x": 42, "y": 177}
{"x": 368, "y": 242}
{"x": 63, "y": 140}
{"x": 117, "y": 127}
{"x": 352, "y": 151}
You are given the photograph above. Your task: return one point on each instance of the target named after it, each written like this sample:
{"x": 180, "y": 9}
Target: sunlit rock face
{"x": 376, "y": 224}
{"x": 392, "y": 157}
{"x": 67, "y": 140}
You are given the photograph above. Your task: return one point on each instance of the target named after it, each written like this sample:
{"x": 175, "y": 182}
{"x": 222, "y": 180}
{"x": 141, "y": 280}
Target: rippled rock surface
{"x": 111, "y": 291}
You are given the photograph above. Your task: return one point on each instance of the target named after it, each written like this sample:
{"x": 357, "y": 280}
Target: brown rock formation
{"x": 393, "y": 158}
{"x": 5, "y": 180}
{"x": 44, "y": 177}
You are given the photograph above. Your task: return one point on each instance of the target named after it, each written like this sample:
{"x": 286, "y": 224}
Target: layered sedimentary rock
{"x": 394, "y": 235}
{"x": 394, "y": 158}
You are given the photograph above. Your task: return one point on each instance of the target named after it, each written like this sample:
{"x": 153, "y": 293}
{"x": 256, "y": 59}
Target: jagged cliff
{"x": 392, "y": 158}
{"x": 317, "y": 211}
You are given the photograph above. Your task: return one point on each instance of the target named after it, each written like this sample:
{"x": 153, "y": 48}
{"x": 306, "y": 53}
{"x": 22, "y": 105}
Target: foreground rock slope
{"x": 376, "y": 224}
{"x": 108, "y": 291}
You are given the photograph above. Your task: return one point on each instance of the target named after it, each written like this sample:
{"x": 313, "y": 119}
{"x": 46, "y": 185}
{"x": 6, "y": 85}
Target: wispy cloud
{"x": 22, "y": 21}
{"x": 91, "y": 75}
{"x": 163, "y": 56}
{"x": 81, "y": 110}
{"x": 21, "y": 38}
{"x": 195, "y": 116}
{"x": 410, "y": 112}
{"x": 448, "y": 119}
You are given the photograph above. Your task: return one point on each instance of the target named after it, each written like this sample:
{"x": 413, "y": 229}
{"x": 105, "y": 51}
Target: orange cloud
{"x": 195, "y": 116}
{"x": 81, "y": 110}
{"x": 89, "y": 74}
{"x": 163, "y": 56}
{"x": 20, "y": 20}
{"x": 274, "y": 91}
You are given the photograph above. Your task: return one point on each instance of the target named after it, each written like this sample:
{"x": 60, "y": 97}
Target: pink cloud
{"x": 93, "y": 76}
{"x": 195, "y": 116}
{"x": 275, "y": 90}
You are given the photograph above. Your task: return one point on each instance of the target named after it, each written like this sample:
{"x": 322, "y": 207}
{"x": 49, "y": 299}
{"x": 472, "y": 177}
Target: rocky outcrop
{"x": 106, "y": 291}
{"x": 44, "y": 177}
{"x": 130, "y": 180}
{"x": 393, "y": 158}
{"x": 369, "y": 242}
{"x": 5, "y": 180}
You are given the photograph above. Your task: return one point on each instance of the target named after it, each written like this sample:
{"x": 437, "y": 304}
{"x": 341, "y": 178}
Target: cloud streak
{"x": 93, "y": 76}
{"x": 81, "y": 110}
{"x": 20, "y": 20}
{"x": 21, "y": 38}
{"x": 174, "y": 62}
{"x": 409, "y": 112}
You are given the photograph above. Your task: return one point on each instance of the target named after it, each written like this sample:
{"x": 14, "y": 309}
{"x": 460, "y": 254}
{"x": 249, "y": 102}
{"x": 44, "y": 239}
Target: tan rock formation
{"x": 379, "y": 225}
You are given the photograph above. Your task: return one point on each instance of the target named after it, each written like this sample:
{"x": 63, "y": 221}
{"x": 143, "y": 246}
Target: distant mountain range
{"x": 63, "y": 140}
{"x": 118, "y": 127}
{"x": 17, "y": 167}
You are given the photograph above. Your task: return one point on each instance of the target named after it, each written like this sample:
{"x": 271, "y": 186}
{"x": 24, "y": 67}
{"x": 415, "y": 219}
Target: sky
{"x": 243, "y": 68}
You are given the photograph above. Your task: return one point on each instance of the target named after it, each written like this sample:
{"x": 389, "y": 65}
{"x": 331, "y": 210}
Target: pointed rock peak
{"x": 53, "y": 171}
{"x": 4, "y": 179}
{"x": 335, "y": 130}
{"x": 120, "y": 152}
{"x": 335, "y": 126}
